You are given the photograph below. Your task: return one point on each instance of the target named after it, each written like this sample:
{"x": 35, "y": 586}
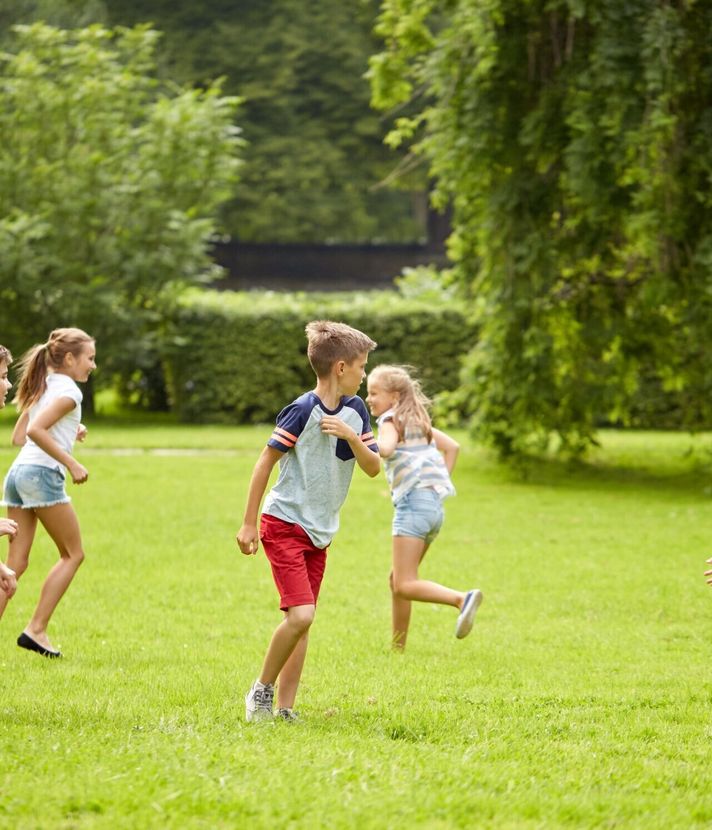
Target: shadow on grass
{"x": 676, "y": 468}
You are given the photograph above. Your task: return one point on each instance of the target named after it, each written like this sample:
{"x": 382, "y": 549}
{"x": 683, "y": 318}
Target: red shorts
{"x": 297, "y": 565}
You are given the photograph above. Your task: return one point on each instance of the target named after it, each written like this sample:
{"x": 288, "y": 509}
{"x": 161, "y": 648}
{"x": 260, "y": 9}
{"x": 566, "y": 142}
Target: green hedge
{"x": 239, "y": 358}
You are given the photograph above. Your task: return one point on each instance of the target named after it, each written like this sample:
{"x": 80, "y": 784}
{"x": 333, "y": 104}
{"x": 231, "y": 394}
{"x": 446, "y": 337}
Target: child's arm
{"x": 709, "y": 573}
{"x": 8, "y": 527}
{"x": 19, "y": 434}
{"x": 8, "y": 580}
{"x": 387, "y": 439}
{"x": 368, "y": 460}
{"x": 247, "y": 536}
{"x": 448, "y": 447}
{"x": 39, "y": 433}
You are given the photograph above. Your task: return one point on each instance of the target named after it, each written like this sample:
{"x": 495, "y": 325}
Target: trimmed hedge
{"x": 240, "y": 358}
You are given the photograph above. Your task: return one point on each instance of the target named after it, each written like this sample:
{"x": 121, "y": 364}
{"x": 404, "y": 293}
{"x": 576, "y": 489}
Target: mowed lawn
{"x": 582, "y": 698}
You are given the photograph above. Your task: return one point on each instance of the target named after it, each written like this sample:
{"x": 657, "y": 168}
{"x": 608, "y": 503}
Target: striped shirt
{"x": 316, "y": 469}
{"x": 415, "y": 464}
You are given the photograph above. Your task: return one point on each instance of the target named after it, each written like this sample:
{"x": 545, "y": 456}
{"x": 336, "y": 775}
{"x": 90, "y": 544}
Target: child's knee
{"x": 400, "y": 588}
{"x": 20, "y": 566}
{"x": 18, "y": 562}
{"x": 301, "y": 617}
{"x": 76, "y": 557}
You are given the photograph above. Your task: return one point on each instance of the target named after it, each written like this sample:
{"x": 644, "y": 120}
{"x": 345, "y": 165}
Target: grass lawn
{"x": 582, "y": 698}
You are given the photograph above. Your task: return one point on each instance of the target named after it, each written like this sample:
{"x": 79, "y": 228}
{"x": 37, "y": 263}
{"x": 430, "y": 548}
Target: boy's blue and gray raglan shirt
{"x": 316, "y": 469}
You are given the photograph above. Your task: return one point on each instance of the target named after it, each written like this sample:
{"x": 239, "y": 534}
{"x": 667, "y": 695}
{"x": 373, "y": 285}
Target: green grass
{"x": 582, "y": 698}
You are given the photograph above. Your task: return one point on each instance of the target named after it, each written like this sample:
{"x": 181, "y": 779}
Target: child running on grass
{"x": 317, "y": 440}
{"x": 8, "y": 580}
{"x": 418, "y": 461}
{"x": 50, "y": 404}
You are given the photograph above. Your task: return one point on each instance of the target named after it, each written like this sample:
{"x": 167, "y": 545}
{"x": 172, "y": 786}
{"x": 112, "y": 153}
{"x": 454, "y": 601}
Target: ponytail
{"x": 33, "y": 377}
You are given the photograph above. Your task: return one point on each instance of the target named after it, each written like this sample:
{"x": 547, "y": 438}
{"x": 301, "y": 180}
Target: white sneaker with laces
{"x": 287, "y": 714}
{"x": 258, "y": 702}
{"x": 473, "y": 600}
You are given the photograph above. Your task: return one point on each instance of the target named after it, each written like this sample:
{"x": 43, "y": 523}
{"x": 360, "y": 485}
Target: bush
{"x": 240, "y": 358}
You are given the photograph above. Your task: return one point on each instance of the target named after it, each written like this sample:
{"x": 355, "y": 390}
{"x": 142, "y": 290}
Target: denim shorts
{"x": 32, "y": 485}
{"x": 419, "y": 513}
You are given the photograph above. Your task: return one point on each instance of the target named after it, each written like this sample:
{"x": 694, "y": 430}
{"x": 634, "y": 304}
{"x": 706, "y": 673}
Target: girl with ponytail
{"x": 50, "y": 405}
{"x": 418, "y": 461}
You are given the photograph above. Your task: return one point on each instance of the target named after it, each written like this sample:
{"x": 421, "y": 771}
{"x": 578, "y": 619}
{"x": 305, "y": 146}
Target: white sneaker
{"x": 287, "y": 714}
{"x": 473, "y": 600}
{"x": 258, "y": 702}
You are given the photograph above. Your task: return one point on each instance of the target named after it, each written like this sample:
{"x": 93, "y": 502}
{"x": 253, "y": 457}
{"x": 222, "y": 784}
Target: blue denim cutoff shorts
{"x": 32, "y": 485}
{"x": 419, "y": 513}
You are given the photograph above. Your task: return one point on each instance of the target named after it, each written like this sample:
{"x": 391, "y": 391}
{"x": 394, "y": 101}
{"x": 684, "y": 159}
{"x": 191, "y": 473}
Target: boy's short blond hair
{"x": 330, "y": 342}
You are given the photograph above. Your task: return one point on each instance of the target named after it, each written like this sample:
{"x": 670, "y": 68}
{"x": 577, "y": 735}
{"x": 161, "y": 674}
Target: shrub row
{"x": 239, "y": 358}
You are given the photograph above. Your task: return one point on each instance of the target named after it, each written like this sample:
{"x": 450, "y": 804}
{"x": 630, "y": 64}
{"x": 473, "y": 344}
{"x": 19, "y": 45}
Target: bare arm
{"x": 38, "y": 431}
{"x": 247, "y": 536}
{"x": 8, "y": 580}
{"x": 19, "y": 434}
{"x": 448, "y": 447}
{"x": 387, "y": 439}
{"x": 8, "y": 527}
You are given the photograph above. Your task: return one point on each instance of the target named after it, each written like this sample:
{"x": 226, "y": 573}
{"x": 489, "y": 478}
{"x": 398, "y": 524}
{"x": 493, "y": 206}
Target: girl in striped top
{"x": 418, "y": 461}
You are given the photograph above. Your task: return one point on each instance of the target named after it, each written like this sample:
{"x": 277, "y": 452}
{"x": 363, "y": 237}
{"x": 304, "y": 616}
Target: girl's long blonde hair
{"x": 35, "y": 363}
{"x": 411, "y": 409}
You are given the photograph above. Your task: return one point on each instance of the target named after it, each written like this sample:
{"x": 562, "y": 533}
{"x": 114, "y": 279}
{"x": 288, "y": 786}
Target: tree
{"x": 314, "y": 156}
{"x": 65, "y": 14}
{"x": 574, "y": 142}
{"x": 109, "y": 185}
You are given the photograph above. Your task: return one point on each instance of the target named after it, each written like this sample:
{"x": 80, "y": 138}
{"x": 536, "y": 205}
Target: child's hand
{"x": 81, "y": 432}
{"x": 708, "y": 574}
{"x": 8, "y": 580}
{"x": 8, "y": 527}
{"x": 247, "y": 538}
{"x": 78, "y": 472}
{"x": 331, "y": 425}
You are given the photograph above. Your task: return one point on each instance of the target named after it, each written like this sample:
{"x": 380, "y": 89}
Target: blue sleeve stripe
{"x": 277, "y": 444}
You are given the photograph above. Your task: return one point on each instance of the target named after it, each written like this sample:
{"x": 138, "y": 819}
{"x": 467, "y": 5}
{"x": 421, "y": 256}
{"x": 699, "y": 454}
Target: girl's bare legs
{"x": 19, "y": 550}
{"x": 60, "y": 521}
{"x": 289, "y": 677}
{"x": 408, "y": 552}
{"x": 288, "y": 641}
{"x": 400, "y": 614}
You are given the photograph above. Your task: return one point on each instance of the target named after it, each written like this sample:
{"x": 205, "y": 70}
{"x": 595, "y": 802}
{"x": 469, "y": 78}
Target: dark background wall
{"x": 322, "y": 267}
{"x": 318, "y": 267}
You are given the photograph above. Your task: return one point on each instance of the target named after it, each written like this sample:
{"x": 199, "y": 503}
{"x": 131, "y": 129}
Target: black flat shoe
{"x": 25, "y": 641}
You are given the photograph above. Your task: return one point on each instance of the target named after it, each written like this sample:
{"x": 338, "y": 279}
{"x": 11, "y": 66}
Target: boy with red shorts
{"x": 318, "y": 439}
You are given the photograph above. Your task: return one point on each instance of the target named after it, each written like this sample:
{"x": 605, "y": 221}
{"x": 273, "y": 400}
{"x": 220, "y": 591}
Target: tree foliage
{"x": 314, "y": 155}
{"x": 109, "y": 185}
{"x": 574, "y": 141}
